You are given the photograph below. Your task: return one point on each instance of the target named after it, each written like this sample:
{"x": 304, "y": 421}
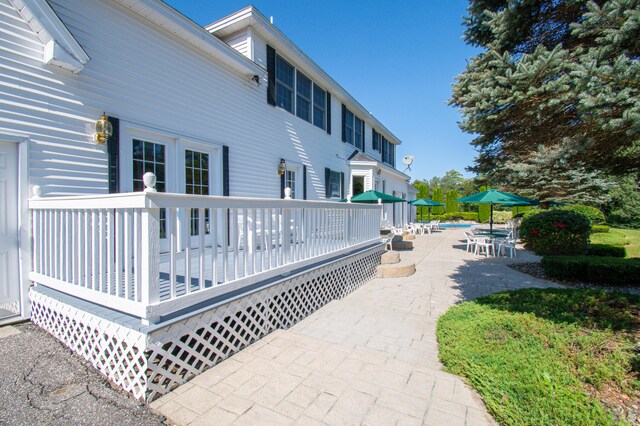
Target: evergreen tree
{"x": 439, "y": 197}
{"x": 451, "y": 206}
{"x": 558, "y": 82}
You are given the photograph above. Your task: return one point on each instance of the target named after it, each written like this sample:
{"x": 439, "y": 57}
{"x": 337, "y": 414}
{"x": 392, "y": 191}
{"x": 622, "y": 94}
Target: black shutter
{"x": 384, "y": 145}
{"x": 271, "y": 75}
{"x": 113, "y": 148}
{"x": 282, "y": 181}
{"x": 364, "y": 143}
{"x": 304, "y": 182}
{"x": 225, "y": 170}
{"x": 327, "y": 179}
{"x": 373, "y": 138}
{"x": 393, "y": 155}
{"x": 328, "y": 113}
{"x": 342, "y": 183}
{"x": 344, "y": 119}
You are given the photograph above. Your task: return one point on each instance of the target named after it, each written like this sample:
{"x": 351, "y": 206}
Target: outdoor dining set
{"x": 492, "y": 242}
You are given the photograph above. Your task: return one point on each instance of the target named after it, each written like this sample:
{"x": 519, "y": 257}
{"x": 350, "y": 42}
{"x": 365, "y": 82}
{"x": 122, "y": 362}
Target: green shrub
{"x": 594, "y": 214}
{"x": 450, "y": 205}
{"x": 439, "y": 197}
{"x": 593, "y": 269}
{"x": 484, "y": 210}
{"x": 455, "y": 216}
{"x": 502, "y": 216}
{"x": 606, "y": 250}
{"x": 556, "y": 232}
{"x": 599, "y": 229}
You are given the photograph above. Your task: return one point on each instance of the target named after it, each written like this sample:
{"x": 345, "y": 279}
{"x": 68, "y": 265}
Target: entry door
{"x": 9, "y": 276}
{"x": 198, "y": 171}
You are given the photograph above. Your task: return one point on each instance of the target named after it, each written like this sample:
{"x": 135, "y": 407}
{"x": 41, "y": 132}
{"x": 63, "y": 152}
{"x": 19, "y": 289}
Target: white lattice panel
{"x": 116, "y": 351}
{"x": 185, "y": 349}
{"x": 150, "y": 366}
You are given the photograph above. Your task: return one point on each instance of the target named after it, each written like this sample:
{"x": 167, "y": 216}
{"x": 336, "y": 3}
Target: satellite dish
{"x": 407, "y": 160}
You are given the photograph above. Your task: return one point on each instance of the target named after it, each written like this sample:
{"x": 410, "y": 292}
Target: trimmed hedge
{"x": 594, "y": 214}
{"x": 455, "y": 216}
{"x": 599, "y": 229}
{"x": 593, "y": 269}
{"x": 556, "y": 232}
{"x": 605, "y": 250}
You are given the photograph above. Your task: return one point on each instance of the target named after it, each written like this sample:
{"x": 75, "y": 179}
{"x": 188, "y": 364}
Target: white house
{"x": 234, "y": 110}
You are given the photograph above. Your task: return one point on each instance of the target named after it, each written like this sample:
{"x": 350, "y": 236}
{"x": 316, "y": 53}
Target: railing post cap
{"x": 287, "y": 193}
{"x": 36, "y": 191}
{"x": 149, "y": 180}
{"x": 349, "y": 198}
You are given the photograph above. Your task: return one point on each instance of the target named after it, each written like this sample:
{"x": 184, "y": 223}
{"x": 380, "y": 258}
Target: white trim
{"x": 164, "y": 16}
{"x": 24, "y": 223}
{"x": 62, "y": 49}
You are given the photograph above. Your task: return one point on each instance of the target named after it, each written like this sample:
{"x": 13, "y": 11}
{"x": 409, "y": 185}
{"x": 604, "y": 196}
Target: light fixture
{"x": 256, "y": 79}
{"x": 379, "y": 172}
{"x": 282, "y": 167}
{"x": 103, "y": 130}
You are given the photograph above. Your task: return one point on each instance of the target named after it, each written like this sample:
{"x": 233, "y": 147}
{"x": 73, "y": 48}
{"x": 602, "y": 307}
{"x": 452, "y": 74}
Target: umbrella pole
{"x": 491, "y": 219}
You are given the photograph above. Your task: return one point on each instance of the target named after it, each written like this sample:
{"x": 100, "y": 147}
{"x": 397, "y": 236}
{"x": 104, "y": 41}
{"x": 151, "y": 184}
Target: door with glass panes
{"x": 179, "y": 167}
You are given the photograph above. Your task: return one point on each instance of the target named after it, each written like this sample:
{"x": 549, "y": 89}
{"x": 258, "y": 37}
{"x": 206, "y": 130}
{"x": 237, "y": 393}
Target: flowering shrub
{"x": 556, "y": 232}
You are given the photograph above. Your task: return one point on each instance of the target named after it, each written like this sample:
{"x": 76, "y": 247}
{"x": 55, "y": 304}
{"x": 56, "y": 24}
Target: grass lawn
{"x": 547, "y": 356}
{"x": 629, "y": 238}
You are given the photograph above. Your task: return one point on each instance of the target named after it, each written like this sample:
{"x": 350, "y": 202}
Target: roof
{"x": 61, "y": 48}
{"x": 168, "y": 18}
{"x": 358, "y": 158}
{"x": 251, "y": 17}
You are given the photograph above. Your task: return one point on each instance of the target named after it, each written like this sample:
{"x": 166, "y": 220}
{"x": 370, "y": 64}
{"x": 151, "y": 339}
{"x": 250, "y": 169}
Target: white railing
{"x": 151, "y": 254}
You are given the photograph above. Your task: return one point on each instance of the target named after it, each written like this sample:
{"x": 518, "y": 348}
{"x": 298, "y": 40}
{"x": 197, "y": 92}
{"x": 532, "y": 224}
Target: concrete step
{"x": 390, "y": 257}
{"x": 397, "y": 270}
{"x": 402, "y": 245}
{"x": 408, "y": 237}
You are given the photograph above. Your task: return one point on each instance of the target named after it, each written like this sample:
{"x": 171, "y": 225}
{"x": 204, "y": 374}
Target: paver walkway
{"x": 370, "y": 358}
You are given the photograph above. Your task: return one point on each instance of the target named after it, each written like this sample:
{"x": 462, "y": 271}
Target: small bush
{"x": 605, "y": 250}
{"x": 599, "y": 229}
{"x": 594, "y": 214}
{"x": 556, "y": 232}
{"x": 593, "y": 269}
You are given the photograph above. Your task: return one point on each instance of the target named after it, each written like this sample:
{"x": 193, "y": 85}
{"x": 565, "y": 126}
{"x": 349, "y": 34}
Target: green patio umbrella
{"x": 372, "y": 197}
{"x": 423, "y": 202}
{"x": 491, "y": 197}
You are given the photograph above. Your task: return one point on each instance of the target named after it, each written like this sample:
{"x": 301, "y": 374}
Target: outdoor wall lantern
{"x": 282, "y": 167}
{"x": 379, "y": 172}
{"x": 103, "y": 130}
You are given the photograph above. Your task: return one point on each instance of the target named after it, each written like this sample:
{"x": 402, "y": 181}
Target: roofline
{"x": 384, "y": 166}
{"x": 63, "y": 49}
{"x": 170, "y": 19}
{"x": 260, "y": 23}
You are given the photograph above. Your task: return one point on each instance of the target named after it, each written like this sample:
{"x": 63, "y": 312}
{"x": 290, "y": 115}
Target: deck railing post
{"x": 150, "y": 252}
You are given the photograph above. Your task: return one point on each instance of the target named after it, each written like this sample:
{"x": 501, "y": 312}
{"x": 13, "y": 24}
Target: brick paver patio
{"x": 370, "y": 358}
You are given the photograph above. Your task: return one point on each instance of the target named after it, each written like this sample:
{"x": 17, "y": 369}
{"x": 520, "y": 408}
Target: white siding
{"x": 149, "y": 78}
{"x": 259, "y": 51}
{"x": 240, "y": 42}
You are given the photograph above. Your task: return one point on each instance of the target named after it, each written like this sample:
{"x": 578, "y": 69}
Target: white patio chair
{"x": 413, "y": 228}
{"x": 471, "y": 242}
{"x": 485, "y": 245}
{"x": 387, "y": 239}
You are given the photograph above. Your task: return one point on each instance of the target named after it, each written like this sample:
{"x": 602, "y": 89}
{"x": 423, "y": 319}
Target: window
{"x": 197, "y": 182}
{"x": 284, "y": 84}
{"x": 359, "y": 133}
{"x": 333, "y": 184}
{"x": 376, "y": 140}
{"x": 290, "y": 182}
{"x": 319, "y": 107}
{"x": 352, "y": 129}
{"x": 150, "y": 157}
{"x": 303, "y": 100}
{"x": 293, "y": 91}
{"x": 388, "y": 152}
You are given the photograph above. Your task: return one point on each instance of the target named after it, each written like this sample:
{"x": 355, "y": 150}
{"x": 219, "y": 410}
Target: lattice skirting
{"x": 13, "y": 306}
{"x": 149, "y": 365}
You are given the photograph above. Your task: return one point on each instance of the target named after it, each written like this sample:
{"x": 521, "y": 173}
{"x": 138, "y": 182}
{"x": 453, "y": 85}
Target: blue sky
{"x": 397, "y": 58}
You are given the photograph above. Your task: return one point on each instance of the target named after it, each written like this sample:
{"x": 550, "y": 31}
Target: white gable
{"x": 60, "y": 47}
